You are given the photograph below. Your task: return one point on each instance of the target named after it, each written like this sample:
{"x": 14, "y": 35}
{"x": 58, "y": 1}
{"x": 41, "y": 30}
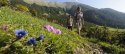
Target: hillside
{"x": 66, "y": 43}
{"x": 30, "y": 29}
{"x": 105, "y": 16}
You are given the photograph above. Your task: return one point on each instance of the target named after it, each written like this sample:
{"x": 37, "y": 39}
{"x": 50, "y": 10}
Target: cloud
{"x": 77, "y": 0}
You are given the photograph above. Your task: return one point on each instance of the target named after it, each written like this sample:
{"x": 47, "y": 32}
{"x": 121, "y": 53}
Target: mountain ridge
{"x": 105, "y": 17}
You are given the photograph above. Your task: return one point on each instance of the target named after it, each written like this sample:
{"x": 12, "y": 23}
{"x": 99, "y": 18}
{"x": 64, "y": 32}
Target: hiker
{"x": 70, "y": 22}
{"x": 79, "y": 19}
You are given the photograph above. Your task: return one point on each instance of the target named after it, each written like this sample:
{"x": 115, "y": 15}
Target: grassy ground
{"x": 67, "y": 42}
{"x": 114, "y": 29}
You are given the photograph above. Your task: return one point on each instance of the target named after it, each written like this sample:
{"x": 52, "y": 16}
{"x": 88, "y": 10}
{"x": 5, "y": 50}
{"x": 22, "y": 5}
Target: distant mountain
{"x": 105, "y": 16}
{"x": 116, "y": 13}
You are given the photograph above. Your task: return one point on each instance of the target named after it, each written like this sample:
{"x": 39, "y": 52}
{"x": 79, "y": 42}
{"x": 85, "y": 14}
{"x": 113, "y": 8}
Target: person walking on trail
{"x": 79, "y": 19}
{"x": 70, "y": 22}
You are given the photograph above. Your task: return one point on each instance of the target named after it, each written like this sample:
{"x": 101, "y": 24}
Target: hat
{"x": 78, "y": 9}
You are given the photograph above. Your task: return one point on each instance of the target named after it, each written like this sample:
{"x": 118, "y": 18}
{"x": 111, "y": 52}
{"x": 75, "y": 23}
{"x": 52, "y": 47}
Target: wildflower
{"x": 40, "y": 38}
{"x": 5, "y": 27}
{"x": 49, "y": 28}
{"x": 58, "y": 31}
{"x": 20, "y": 33}
{"x": 52, "y": 29}
{"x": 31, "y": 41}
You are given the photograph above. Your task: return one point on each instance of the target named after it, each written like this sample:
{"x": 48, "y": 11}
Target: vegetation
{"x": 102, "y": 35}
{"x": 95, "y": 39}
{"x": 104, "y": 17}
{"x": 4, "y": 3}
{"x": 53, "y": 43}
{"x": 66, "y": 43}
{"x": 22, "y": 8}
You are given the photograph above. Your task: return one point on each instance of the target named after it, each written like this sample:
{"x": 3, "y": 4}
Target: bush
{"x": 4, "y": 2}
{"x": 22, "y": 8}
{"x": 101, "y": 33}
{"x": 104, "y": 34}
{"x": 33, "y": 12}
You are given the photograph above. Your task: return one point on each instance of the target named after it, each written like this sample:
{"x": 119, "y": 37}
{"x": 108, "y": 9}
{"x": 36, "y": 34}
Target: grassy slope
{"x": 67, "y": 42}
{"x": 114, "y": 29}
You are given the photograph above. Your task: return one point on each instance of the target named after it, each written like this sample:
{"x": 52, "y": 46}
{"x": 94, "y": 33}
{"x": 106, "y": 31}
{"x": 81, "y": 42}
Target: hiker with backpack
{"x": 70, "y": 22}
{"x": 79, "y": 19}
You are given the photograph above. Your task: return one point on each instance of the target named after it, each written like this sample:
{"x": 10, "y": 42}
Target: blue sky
{"x": 118, "y": 5}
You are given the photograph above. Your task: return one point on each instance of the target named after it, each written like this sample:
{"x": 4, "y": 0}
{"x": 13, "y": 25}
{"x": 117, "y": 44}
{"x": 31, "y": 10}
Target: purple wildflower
{"x": 49, "y": 28}
{"x": 52, "y": 29}
{"x": 40, "y": 38}
{"x": 31, "y": 41}
{"x": 58, "y": 31}
{"x": 5, "y": 27}
{"x": 20, "y": 33}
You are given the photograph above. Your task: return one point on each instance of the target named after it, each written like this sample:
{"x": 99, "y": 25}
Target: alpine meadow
{"x": 40, "y": 27}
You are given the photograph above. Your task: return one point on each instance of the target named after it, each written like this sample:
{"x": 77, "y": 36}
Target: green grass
{"x": 108, "y": 48}
{"x": 69, "y": 42}
{"x": 66, "y": 43}
{"x": 114, "y": 29}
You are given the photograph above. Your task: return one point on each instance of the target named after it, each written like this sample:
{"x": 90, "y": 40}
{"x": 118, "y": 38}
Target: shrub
{"x": 33, "y": 12}
{"x": 4, "y": 2}
{"x": 101, "y": 33}
{"x": 104, "y": 34}
{"x": 22, "y": 8}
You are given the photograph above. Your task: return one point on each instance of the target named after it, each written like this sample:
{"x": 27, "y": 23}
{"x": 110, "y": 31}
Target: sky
{"x": 118, "y": 5}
